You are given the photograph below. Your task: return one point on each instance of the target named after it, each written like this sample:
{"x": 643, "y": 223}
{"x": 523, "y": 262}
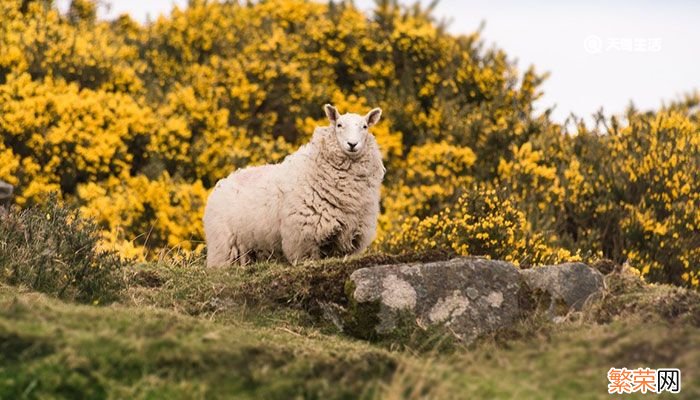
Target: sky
{"x": 598, "y": 53}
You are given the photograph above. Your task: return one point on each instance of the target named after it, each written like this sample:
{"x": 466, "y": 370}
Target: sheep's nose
{"x": 352, "y": 145}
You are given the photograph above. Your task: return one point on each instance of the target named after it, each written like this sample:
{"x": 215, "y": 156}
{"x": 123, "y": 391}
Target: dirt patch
{"x": 146, "y": 278}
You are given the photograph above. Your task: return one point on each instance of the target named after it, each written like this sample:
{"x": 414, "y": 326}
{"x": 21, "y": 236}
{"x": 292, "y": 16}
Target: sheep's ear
{"x": 373, "y": 116}
{"x": 332, "y": 113}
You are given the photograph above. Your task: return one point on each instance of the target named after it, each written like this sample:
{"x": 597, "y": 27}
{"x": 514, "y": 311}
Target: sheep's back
{"x": 245, "y": 205}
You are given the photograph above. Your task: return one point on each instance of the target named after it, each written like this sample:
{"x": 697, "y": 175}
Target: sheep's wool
{"x": 318, "y": 202}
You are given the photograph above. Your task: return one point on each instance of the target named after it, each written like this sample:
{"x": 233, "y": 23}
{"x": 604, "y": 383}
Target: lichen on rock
{"x": 470, "y": 296}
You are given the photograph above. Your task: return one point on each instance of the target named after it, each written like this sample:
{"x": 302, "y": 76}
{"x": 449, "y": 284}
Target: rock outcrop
{"x": 468, "y": 296}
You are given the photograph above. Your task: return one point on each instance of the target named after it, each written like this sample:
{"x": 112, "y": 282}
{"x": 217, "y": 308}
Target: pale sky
{"x": 599, "y": 53}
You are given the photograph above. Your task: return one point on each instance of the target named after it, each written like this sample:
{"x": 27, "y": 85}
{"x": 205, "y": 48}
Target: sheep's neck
{"x": 347, "y": 176}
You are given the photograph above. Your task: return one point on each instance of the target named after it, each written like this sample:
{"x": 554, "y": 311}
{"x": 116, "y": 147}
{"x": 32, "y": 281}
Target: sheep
{"x": 321, "y": 201}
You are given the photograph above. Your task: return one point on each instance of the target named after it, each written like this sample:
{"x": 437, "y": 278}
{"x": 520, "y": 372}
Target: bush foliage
{"x": 53, "y": 249}
{"x": 135, "y": 122}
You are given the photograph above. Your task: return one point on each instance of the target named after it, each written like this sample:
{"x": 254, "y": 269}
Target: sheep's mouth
{"x": 352, "y": 153}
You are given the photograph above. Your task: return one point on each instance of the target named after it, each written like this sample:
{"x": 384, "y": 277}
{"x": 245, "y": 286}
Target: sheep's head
{"x": 352, "y": 130}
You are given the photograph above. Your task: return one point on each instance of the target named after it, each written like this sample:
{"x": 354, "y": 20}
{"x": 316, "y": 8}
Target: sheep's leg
{"x": 223, "y": 250}
{"x": 346, "y": 242}
{"x": 215, "y": 258}
{"x": 299, "y": 241}
{"x": 361, "y": 241}
{"x": 364, "y": 235}
{"x": 219, "y": 252}
{"x": 353, "y": 242}
{"x": 298, "y": 248}
{"x": 243, "y": 257}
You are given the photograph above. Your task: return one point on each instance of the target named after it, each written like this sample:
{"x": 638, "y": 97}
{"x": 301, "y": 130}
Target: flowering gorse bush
{"x": 167, "y": 213}
{"x": 633, "y": 193}
{"x": 136, "y": 123}
{"x": 479, "y": 222}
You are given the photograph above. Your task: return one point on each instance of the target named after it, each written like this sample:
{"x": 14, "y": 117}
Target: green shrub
{"x": 52, "y": 249}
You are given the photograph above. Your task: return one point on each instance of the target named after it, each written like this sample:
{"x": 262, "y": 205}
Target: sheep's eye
{"x": 364, "y": 126}
{"x": 340, "y": 125}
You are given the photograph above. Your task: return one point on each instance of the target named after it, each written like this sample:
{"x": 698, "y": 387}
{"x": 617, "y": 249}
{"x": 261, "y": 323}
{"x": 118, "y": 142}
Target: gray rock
{"x": 569, "y": 285}
{"x": 470, "y": 296}
{"x": 5, "y": 195}
{"x": 5, "y": 190}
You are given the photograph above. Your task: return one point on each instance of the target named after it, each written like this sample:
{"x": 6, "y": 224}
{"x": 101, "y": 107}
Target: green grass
{"x": 182, "y": 331}
{"x": 54, "y": 348}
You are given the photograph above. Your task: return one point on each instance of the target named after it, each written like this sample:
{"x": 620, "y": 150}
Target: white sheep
{"x": 321, "y": 201}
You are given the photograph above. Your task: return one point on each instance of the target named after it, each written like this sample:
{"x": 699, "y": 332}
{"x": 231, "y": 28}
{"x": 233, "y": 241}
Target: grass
{"x": 52, "y": 249}
{"x": 182, "y": 331}
{"x": 175, "y": 329}
{"x": 195, "y": 290}
{"x": 51, "y": 348}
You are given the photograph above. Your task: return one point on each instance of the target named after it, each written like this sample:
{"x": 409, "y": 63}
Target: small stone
{"x": 211, "y": 336}
{"x": 5, "y": 190}
{"x": 571, "y": 283}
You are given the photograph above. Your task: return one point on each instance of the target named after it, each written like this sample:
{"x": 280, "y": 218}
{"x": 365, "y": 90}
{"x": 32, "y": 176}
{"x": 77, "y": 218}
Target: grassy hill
{"x": 181, "y": 331}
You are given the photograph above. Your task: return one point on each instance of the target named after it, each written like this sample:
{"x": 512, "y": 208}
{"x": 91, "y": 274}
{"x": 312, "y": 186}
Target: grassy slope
{"x": 183, "y": 332}
{"x": 138, "y": 352}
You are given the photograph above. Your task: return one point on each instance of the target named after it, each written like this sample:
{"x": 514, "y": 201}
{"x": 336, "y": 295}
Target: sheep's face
{"x": 352, "y": 130}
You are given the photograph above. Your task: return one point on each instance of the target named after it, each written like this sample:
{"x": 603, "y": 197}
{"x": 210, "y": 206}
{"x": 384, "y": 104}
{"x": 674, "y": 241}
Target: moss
{"x": 94, "y": 351}
{"x": 409, "y": 335}
{"x": 361, "y": 319}
{"x": 306, "y": 287}
{"x": 311, "y": 283}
